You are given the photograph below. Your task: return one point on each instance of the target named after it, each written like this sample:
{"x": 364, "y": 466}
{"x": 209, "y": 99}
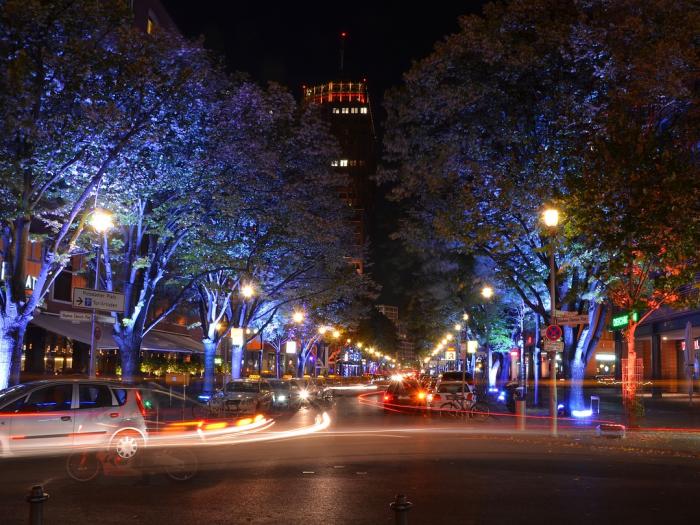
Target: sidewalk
{"x": 672, "y": 411}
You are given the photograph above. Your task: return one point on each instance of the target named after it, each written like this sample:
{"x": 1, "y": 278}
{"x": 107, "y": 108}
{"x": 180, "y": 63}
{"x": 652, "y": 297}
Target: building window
{"x": 346, "y": 110}
{"x": 62, "y": 286}
{"x": 150, "y": 26}
{"x": 354, "y": 110}
{"x": 343, "y": 163}
{"x": 334, "y": 163}
{"x": 336, "y": 110}
{"x": 363, "y": 109}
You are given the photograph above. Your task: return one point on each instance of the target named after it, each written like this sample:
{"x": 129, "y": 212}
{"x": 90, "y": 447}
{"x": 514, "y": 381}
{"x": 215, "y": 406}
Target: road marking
{"x": 360, "y": 473}
{"x": 308, "y": 472}
{"x": 338, "y": 466}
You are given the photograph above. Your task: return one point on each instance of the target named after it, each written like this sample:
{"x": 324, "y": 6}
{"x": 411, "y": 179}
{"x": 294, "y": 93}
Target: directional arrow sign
{"x": 98, "y": 300}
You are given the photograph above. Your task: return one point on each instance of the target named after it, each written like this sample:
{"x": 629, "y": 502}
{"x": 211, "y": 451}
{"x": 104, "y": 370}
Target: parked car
{"x": 444, "y": 392}
{"x": 243, "y": 396}
{"x": 405, "y": 392}
{"x": 284, "y": 396}
{"x": 55, "y": 415}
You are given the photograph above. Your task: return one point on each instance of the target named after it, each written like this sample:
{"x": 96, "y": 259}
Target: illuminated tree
{"x": 82, "y": 94}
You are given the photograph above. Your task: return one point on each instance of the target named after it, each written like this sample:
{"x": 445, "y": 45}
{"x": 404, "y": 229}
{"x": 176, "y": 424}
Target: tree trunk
{"x": 301, "y": 364}
{"x": 12, "y": 329}
{"x": 209, "y": 355}
{"x": 16, "y": 364}
{"x": 129, "y": 344}
{"x": 236, "y": 356}
{"x": 578, "y": 371}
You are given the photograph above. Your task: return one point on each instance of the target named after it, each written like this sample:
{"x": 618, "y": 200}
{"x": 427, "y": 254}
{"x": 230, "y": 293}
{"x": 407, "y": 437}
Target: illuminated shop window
{"x": 363, "y": 110}
{"x": 336, "y": 110}
{"x": 343, "y": 163}
{"x": 346, "y": 110}
{"x": 150, "y": 26}
{"x": 354, "y": 110}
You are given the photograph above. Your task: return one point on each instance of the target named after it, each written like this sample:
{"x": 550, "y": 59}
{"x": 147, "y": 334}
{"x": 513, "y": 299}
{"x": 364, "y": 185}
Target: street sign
{"x": 553, "y": 332}
{"x": 450, "y": 355}
{"x": 573, "y": 320}
{"x": 98, "y": 300}
{"x": 620, "y": 321}
{"x": 553, "y": 346}
{"x": 75, "y": 317}
{"x": 290, "y": 347}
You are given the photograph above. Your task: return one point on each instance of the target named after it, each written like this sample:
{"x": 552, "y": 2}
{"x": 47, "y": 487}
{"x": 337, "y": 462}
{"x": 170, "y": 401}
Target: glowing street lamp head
{"x": 487, "y": 292}
{"x": 465, "y": 317}
{"x": 550, "y": 217}
{"x": 247, "y": 291}
{"x": 359, "y": 345}
{"x": 298, "y": 316}
{"x": 449, "y": 337}
{"x": 458, "y": 327}
{"x": 101, "y": 220}
{"x": 336, "y": 334}
{"x": 322, "y": 329}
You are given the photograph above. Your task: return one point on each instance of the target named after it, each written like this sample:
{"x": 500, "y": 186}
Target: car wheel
{"x": 450, "y": 410}
{"x": 479, "y": 412}
{"x": 127, "y": 444}
{"x": 83, "y": 466}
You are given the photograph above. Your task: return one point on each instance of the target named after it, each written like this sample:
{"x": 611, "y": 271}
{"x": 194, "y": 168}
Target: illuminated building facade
{"x": 347, "y": 107}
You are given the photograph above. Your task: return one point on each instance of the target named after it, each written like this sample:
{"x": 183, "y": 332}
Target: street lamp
{"x": 247, "y": 291}
{"x": 465, "y": 317}
{"x": 101, "y": 221}
{"x": 550, "y": 217}
{"x": 298, "y": 316}
{"x": 487, "y": 293}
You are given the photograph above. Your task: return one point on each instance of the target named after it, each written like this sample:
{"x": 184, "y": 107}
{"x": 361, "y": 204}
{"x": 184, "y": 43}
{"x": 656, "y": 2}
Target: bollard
{"x": 520, "y": 414}
{"x": 401, "y": 506}
{"x": 36, "y": 499}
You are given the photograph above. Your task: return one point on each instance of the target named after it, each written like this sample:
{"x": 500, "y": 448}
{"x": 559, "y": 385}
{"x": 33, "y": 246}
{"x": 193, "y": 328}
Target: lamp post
{"x": 487, "y": 293}
{"x": 550, "y": 217}
{"x": 101, "y": 222}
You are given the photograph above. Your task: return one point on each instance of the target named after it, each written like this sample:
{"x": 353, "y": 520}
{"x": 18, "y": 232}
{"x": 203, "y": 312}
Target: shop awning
{"x": 155, "y": 340}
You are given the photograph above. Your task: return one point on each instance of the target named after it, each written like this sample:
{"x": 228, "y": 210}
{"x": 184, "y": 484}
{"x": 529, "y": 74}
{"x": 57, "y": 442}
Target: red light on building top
{"x": 343, "y": 34}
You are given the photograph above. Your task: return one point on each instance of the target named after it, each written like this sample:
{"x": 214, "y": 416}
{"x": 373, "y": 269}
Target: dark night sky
{"x": 297, "y": 43}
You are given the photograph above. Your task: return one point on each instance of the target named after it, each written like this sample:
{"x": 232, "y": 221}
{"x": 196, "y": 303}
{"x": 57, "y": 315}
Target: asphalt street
{"x": 452, "y": 472}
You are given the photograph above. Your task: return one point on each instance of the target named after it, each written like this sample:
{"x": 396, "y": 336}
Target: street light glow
{"x": 247, "y": 291}
{"x": 336, "y": 334}
{"x": 101, "y": 220}
{"x": 458, "y": 327}
{"x": 550, "y": 217}
{"x": 465, "y": 317}
{"x": 487, "y": 292}
{"x": 322, "y": 329}
{"x": 449, "y": 337}
{"x": 298, "y": 316}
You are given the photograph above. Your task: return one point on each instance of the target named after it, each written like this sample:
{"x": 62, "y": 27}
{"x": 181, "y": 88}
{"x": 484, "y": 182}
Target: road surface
{"x": 452, "y": 472}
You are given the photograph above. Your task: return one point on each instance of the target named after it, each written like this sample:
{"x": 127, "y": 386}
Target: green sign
{"x": 620, "y": 321}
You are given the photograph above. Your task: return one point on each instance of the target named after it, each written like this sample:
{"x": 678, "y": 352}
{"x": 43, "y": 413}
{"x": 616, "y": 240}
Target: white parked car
{"x": 446, "y": 393}
{"x": 50, "y": 416}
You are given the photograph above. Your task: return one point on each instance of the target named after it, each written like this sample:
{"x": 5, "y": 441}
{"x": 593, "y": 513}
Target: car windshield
{"x": 453, "y": 388}
{"x": 12, "y": 392}
{"x": 280, "y": 386}
{"x": 243, "y": 386}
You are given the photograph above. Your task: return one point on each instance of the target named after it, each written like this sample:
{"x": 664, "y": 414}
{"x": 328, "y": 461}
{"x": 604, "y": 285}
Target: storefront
{"x": 55, "y": 346}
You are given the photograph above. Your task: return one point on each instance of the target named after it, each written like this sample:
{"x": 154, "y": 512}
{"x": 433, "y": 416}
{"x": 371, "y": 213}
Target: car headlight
{"x": 281, "y": 398}
{"x": 304, "y": 394}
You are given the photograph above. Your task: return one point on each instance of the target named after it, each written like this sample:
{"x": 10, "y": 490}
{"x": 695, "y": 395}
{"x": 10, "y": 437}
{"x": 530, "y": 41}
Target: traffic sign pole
{"x": 93, "y": 349}
{"x": 553, "y": 403}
